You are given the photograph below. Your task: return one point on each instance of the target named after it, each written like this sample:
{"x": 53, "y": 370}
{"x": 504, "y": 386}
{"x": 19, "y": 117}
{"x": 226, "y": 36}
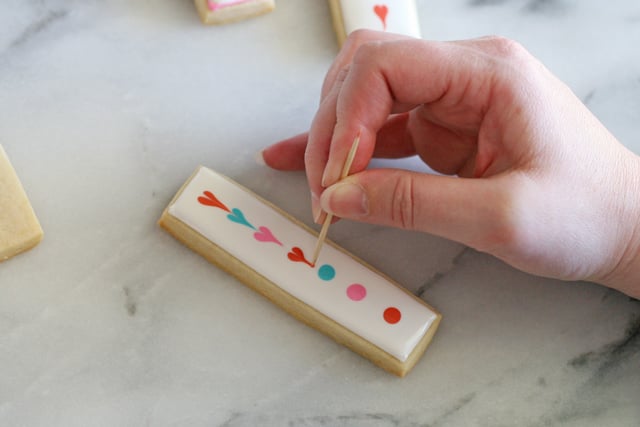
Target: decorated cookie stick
{"x": 225, "y": 11}
{"x": 19, "y": 227}
{"x": 268, "y": 250}
{"x": 394, "y": 16}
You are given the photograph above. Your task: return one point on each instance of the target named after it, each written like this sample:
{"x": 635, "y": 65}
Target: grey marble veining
{"x": 106, "y": 107}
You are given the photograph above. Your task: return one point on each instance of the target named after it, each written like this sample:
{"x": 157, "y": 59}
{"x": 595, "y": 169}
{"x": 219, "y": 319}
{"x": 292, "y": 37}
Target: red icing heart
{"x": 382, "y": 10}
{"x": 296, "y": 255}
{"x": 265, "y": 235}
{"x": 210, "y": 200}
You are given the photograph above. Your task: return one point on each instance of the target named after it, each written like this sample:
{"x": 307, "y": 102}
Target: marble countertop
{"x": 107, "y": 107}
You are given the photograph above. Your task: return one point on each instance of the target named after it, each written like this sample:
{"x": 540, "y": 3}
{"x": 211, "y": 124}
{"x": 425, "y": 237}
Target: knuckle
{"x": 367, "y": 51}
{"x": 508, "y": 231}
{"x": 334, "y": 82}
{"x": 352, "y": 49}
{"x": 342, "y": 74}
{"x": 357, "y": 38}
{"x": 506, "y": 48}
{"x": 403, "y": 208}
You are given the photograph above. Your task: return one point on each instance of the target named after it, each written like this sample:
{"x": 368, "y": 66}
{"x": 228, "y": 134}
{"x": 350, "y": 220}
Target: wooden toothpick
{"x": 327, "y": 221}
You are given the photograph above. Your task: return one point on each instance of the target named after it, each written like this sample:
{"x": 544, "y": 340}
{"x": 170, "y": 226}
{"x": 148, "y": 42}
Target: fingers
{"x": 320, "y": 135}
{"x": 319, "y": 140}
{"x": 403, "y": 96}
{"x": 445, "y": 148}
{"x": 394, "y": 77}
{"x": 345, "y": 56}
{"x": 455, "y": 208}
{"x": 392, "y": 142}
{"x": 286, "y": 155}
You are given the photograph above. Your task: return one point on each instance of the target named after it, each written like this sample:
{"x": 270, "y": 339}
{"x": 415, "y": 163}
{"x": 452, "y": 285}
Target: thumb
{"x": 459, "y": 209}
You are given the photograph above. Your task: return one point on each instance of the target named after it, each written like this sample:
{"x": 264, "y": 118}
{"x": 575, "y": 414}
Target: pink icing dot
{"x": 356, "y": 292}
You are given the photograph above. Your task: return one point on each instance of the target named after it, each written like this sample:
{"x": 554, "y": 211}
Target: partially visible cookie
{"x": 225, "y": 11}
{"x": 393, "y": 16}
{"x": 19, "y": 227}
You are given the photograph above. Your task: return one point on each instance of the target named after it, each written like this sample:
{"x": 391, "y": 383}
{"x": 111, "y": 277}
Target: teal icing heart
{"x": 237, "y": 216}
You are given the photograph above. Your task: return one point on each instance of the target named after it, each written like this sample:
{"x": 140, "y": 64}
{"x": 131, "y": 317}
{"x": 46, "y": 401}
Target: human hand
{"x": 541, "y": 184}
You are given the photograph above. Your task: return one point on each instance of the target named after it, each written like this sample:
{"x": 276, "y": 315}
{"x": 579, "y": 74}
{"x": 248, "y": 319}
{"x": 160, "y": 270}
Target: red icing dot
{"x": 392, "y": 315}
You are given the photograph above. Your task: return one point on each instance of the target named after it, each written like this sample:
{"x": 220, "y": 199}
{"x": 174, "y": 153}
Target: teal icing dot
{"x": 326, "y": 272}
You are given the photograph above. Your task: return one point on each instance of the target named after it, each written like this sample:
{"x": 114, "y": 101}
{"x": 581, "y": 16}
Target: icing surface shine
{"x": 341, "y": 288}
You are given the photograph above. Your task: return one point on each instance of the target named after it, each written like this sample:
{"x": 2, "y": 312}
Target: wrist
{"x": 625, "y": 274}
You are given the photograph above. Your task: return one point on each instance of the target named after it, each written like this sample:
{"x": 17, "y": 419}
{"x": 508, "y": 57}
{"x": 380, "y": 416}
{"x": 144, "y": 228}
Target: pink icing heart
{"x": 381, "y": 10}
{"x": 265, "y": 235}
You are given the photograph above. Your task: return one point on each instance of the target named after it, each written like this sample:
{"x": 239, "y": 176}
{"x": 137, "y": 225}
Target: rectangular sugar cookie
{"x": 19, "y": 227}
{"x": 394, "y": 16}
{"x": 226, "y": 11}
{"x": 267, "y": 250}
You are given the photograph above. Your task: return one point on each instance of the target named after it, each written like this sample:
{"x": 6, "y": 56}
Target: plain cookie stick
{"x": 19, "y": 227}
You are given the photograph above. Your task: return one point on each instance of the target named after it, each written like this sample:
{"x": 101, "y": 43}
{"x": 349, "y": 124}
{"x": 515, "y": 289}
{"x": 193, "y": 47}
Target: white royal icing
{"x": 394, "y": 16}
{"x": 358, "y": 308}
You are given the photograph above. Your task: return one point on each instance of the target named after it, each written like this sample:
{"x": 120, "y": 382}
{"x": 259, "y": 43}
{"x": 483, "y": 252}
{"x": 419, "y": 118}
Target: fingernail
{"x": 329, "y": 177}
{"x": 316, "y": 210}
{"x": 346, "y": 200}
